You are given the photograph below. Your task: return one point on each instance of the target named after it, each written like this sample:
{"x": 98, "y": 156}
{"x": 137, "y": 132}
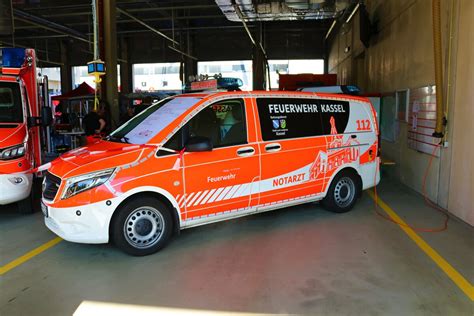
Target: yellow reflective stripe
{"x": 15, "y": 263}
{"x": 454, "y": 275}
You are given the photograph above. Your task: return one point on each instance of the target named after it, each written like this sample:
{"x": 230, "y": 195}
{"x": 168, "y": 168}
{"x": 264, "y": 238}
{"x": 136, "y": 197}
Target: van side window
{"x": 175, "y": 143}
{"x": 222, "y": 122}
{"x": 282, "y": 118}
{"x": 334, "y": 116}
{"x": 11, "y": 108}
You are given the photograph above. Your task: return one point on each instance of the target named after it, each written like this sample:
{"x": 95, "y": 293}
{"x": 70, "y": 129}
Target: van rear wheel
{"x": 343, "y": 192}
{"x": 25, "y": 206}
{"x": 142, "y": 227}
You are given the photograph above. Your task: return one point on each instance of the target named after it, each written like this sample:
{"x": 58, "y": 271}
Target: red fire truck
{"x": 23, "y": 111}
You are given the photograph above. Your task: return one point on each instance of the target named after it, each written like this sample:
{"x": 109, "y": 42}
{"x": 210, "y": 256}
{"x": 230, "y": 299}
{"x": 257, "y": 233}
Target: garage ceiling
{"x": 42, "y": 24}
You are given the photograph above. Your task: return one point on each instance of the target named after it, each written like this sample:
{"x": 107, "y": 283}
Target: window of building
{"x": 402, "y": 105}
{"x": 54, "y": 79}
{"x": 388, "y": 122}
{"x": 235, "y": 68}
{"x": 156, "y": 77}
{"x": 293, "y": 66}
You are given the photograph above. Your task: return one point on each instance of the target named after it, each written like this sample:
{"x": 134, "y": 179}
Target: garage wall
{"x": 400, "y": 56}
{"x": 461, "y": 188}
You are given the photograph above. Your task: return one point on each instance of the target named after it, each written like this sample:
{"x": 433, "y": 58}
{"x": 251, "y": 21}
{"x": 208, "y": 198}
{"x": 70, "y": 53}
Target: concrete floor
{"x": 300, "y": 260}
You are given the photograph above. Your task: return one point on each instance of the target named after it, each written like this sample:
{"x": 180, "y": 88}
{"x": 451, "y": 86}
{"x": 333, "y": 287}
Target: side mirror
{"x": 32, "y": 121}
{"x": 199, "y": 144}
{"x": 46, "y": 116}
{"x": 45, "y": 119}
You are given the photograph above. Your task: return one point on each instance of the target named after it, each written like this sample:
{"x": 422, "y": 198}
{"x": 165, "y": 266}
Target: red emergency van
{"x": 199, "y": 158}
{"x": 22, "y": 100}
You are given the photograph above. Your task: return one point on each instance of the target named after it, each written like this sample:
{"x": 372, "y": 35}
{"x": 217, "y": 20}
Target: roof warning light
{"x": 12, "y": 57}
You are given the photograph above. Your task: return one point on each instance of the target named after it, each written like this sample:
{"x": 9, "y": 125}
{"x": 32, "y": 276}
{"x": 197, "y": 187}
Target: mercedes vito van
{"x": 195, "y": 159}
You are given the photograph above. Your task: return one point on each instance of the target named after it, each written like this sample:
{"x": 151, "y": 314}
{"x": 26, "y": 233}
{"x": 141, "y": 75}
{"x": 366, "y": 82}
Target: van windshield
{"x": 10, "y": 103}
{"x": 147, "y": 124}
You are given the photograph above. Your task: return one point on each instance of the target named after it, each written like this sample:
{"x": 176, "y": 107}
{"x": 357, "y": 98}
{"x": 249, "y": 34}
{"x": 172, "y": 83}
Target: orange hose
{"x": 427, "y": 201}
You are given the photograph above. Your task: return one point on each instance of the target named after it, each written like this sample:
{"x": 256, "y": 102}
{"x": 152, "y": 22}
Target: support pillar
{"x": 190, "y": 68}
{"x": 258, "y": 61}
{"x": 110, "y": 55}
{"x": 66, "y": 71}
{"x": 126, "y": 74}
{"x": 190, "y": 65}
{"x": 126, "y": 83}
{"x": 6, "y": 18}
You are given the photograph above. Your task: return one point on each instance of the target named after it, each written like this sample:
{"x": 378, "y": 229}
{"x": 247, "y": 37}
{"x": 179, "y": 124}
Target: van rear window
{"x": 282, "y": 118}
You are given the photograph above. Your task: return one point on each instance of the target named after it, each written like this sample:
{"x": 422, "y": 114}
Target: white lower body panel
{"x": 370, "y": 174}
{"x": 13, "y": 192}
{"x": 83, "y": 224}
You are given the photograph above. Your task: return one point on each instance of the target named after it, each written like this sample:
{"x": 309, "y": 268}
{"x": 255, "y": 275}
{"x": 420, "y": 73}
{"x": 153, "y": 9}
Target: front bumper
{"x": 83, "y": 224}
{"x": 13, "y": 192}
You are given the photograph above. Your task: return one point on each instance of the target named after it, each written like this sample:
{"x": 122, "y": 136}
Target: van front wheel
{"x": 142, "y": 226}
{"x": 342, "y": 193}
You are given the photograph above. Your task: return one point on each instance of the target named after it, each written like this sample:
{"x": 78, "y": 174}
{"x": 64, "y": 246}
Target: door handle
{"x": 353, "y": 136}
{"x": 245, "y": 151}
{"x": 272, "y": 147}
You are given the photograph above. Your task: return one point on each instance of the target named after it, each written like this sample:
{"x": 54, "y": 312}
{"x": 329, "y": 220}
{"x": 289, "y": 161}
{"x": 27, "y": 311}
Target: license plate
{"x": 44, "y": 209}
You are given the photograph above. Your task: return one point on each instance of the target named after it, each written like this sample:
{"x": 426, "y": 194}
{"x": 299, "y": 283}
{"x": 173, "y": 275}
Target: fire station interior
{"x": 405, "y": 248}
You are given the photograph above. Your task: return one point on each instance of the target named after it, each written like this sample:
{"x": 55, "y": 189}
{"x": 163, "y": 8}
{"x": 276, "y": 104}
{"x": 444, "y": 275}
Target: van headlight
{"x": 12, "y": 152}
{"x": 85, "y": 182}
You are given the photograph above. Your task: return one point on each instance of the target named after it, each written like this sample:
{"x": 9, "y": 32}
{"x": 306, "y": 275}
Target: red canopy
{"x": 83, "y": 90}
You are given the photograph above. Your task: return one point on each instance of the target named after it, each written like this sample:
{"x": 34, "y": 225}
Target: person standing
{"x": 127, "y": 115}
{"x": 146, "y": 102}
{"x": 104, "y": 121}
{"x": 95, "y": 124}
{"x": 91, "y": 126}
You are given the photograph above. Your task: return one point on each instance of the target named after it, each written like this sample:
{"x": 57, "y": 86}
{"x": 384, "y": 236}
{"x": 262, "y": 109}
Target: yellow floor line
{"x": 454, "y": 275}
{"x": 15, "y": 263}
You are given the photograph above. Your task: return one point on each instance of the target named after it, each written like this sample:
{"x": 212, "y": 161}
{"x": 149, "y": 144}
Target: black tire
{"x": 32, "y": 203}
{"x": 343, "y": 192}
{"x": 26, "y": 206}
{"x": 142, "y": 226}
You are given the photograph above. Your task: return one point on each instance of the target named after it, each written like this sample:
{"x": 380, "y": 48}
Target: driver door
{"x": 224, "y": 180}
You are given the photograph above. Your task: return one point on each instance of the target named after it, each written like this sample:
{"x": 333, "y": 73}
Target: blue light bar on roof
{"x": 353, "y": 88}
{"x": 12, "y": 57}
{"x": 229, "y": 83}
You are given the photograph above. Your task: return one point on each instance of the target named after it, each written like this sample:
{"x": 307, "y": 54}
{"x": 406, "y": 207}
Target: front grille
{"x": 50, "y": 186}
